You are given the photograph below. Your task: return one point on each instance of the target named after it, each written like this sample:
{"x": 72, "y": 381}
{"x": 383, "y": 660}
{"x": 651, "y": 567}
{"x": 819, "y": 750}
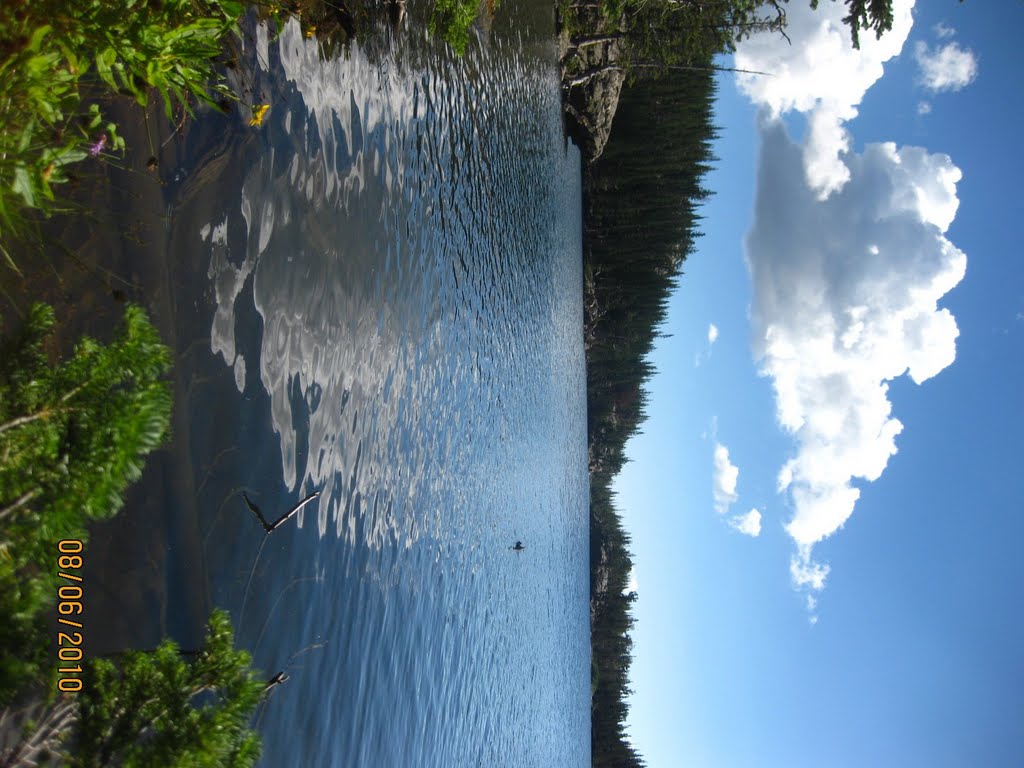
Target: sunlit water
{"x": 393, "y": 303}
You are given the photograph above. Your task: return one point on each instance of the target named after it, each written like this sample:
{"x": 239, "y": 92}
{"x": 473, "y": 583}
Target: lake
{"x": 377, "y": 295}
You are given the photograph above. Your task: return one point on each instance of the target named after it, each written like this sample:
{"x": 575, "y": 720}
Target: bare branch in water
{"x": 270, "y": 527}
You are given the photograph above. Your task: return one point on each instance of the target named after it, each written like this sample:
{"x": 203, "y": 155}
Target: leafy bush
{"x": 72, "y": 437}
{"x": 163, "y": 708}
{"x": 52, "y": 52}
{"x": 452, "y": 19}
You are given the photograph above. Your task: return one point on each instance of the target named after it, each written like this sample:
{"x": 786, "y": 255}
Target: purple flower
{"x": 96, "y": 148}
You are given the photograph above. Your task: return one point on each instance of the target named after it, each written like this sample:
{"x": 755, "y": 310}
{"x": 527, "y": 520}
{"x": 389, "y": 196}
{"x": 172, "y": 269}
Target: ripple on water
{"x": 408, "y": 242}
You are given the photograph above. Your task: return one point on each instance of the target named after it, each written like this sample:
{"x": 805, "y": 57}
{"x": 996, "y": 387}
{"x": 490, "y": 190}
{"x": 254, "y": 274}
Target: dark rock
{"x": 592, "y": 76}
{"x": 590, "y": 108}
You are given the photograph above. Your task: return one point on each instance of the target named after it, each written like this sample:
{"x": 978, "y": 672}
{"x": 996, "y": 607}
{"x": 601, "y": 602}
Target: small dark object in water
{"x": 518, "y": 547}
{"x": 269, "y": 527}
{"x": 152, "y": 164}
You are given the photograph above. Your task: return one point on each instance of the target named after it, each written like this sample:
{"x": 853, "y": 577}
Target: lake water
{"x": 377, "y": 296}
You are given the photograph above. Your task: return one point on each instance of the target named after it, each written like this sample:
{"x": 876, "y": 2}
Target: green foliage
{"x": 662, "y": 34}
{"x": 72, "y": 437}
{"x": 24, "y": 644}
{"x": 674, "y": 33}
{"x": 163, "y": 708}
{"x": 168, "y": 45}
{"x": 452, "y": 20}
{"x": 52, "y": 51}
{"x": 875, "y": 15}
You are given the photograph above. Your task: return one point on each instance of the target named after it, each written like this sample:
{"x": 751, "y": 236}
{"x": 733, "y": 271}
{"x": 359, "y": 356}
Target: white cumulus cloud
{"x": 724, "y": 479}
{"x": 712, "y": 334}
{"x": 945, "y": 68}
{"x": 846, "y": 294}
{"x": 821, "y": 75}
{"x": 749, "y": 524}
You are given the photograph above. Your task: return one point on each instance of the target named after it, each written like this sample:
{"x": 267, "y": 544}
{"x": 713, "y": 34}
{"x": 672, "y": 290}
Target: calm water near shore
{"x": 378, "y": 297}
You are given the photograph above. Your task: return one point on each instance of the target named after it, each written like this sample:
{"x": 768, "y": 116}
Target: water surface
{"x": 385, "y": 289}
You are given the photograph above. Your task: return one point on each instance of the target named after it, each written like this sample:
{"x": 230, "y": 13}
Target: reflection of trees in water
{"x": 377, "y": 25}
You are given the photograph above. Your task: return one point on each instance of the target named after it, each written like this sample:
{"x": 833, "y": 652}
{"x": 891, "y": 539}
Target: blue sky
{"x": 868, "y": 305}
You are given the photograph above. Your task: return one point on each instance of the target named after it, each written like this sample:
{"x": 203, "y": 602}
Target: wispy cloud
{"x": 846, "y": 294}
{"x": 942, "y": 31}
{"x": 711, "y": 430}
{"x": 947, "y": 67}
{"x": 705, "y": 353}
{"x": 924, "y": 108}
{"x": 749, "y": 524}
{"x": 812, "y": 607}
{"x": 822, "y": 76}
{"x": 724, "y": 479}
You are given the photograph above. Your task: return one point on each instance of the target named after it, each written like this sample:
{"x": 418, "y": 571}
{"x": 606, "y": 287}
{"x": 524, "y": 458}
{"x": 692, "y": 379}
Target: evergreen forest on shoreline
{"x": 640, "y": 224}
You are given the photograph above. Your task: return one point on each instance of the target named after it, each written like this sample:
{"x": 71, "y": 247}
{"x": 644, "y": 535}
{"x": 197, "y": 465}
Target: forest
{"x": 642, "y": 199}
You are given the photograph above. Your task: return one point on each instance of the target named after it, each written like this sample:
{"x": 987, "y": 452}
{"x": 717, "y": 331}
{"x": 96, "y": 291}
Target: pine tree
{"x": 72, "y": 437}
{"x": 165, "y": 708}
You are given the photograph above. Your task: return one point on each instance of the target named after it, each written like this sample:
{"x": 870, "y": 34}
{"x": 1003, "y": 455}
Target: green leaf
{"x": 25, "y": 140}
{"x": 40, "y": 63}
{"x": 23, "y": 186}
{"x": 66, "y": 155}
{"x": 104, "y": 61}
{"x": 95, "y": 118}
{"x": 37, "y": 37}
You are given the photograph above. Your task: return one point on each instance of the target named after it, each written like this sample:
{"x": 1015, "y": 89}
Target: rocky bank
{"x": 591, "y": 54}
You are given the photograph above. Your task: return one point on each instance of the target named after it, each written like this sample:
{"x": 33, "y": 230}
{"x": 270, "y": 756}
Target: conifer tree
{"x": 73, "y": 435}
{"x": 165, "y": 708}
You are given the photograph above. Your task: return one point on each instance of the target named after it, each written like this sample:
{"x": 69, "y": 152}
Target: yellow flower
{"x": 311, "y": 31}
{"x": 258, "y": 112}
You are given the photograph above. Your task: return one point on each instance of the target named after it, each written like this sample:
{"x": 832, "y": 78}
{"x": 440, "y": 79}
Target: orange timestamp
{"x": 69, "y": 606}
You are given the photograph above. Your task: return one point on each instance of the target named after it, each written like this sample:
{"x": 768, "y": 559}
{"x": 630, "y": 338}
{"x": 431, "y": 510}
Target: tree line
{"x": 642, "y": 199}
{"x": 673, "y": 35}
